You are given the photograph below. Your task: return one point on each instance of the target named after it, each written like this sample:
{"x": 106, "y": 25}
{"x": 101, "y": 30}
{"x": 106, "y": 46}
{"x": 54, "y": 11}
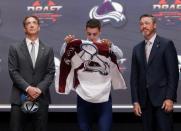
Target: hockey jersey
{"x": 90, "y": 69}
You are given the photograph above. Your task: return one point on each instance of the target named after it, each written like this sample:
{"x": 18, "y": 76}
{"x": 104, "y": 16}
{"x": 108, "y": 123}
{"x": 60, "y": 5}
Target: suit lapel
{"x": 154, "y": 50}
{"x": 26, "y": 53}
{"x": 40, "y": 53}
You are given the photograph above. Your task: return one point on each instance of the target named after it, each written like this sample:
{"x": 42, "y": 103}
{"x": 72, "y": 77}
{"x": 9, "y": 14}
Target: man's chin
{"x": 145, "y": 34}
{"x": 32, "y": 33}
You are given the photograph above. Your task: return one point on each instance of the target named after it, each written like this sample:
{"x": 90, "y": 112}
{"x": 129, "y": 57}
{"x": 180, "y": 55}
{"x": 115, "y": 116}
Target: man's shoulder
{"x": 164, "y": 42}
{"x": 45, "y": 45}
{"x": 139, "y": 45}
{"x": 163, "y": 39}
{"x": 17, "y": 45}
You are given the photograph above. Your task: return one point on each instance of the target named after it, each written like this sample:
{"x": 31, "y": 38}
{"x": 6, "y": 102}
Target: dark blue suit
{"x": 23, "y": 74}
{"x": 154, "y": 81}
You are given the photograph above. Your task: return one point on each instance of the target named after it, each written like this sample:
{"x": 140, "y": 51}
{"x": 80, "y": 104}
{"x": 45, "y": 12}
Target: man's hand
{"x": 38, "y": 91}
{"x": 167, "y": 105}
{"x": 107, "y": 42}
{"x": 30, "y": 98}
{"x": 137, "y": 109}
{"x": 69, "y": 38}
{"x": 33, "y": 92}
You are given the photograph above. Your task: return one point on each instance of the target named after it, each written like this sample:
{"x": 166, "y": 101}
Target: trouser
{"x": 19, "y": 120}
{"x": 155, "y": 118}
{"x": 87, "y": 112}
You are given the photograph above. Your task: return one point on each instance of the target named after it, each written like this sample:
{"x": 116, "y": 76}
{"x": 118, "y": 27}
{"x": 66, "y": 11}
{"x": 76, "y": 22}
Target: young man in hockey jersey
{"x": 93, "y": 89}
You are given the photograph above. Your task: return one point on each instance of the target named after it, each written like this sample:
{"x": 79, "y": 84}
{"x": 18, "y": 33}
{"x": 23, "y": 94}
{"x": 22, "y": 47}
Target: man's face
{"x": 92, "y": 34}
{"x": 31, "y": 26}
{"x": 147, "y": 27}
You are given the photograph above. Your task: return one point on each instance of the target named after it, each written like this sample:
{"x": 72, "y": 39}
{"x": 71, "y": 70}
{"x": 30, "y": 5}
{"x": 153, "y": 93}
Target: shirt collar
{"x": 152, "y": 39}
{"x": 28, "y": 41}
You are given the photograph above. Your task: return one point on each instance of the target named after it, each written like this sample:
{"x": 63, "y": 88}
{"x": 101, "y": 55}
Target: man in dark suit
{"x": 154, "y": 77}
{"x": 31, "y": 68}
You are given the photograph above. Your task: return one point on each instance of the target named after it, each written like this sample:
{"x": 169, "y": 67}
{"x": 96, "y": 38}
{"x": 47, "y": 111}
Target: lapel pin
{"x": 157, "y": 45}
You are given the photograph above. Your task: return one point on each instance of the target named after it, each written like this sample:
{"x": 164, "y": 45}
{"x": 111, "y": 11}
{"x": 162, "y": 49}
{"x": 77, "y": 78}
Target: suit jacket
{"x": 159, "y": 76}
{"x": 23, "y": 74}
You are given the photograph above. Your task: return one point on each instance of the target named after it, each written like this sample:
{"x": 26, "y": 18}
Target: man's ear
{"x": 24, "y": 29}
{"x": 100, "y": 31}
{"x": 155, "y": 25}
{"x": 85, "y": 30}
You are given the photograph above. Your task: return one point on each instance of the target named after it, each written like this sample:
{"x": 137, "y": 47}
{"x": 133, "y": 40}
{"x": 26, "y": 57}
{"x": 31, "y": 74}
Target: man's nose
{"x": 91, "y": 37}
{"x": 32, "y": 25}
{"x": 144, "y": 25}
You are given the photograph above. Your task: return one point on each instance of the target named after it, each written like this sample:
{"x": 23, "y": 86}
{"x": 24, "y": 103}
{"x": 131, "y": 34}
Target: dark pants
{"x": 101, "y": 112}
{"x": 19, "y": 120}
{"x": 155, "y": 118}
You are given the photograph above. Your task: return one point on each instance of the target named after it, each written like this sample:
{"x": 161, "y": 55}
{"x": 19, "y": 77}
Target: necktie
{"x": 147, "y": 49}
{"x": 32, "y": 53}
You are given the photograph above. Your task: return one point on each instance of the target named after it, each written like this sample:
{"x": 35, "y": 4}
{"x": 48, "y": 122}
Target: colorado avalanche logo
{"x": 109, "y": 12}
{"x": 93, "y": 61}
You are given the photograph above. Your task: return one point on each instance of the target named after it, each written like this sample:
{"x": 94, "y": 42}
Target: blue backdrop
{"x": 120, "y": 19}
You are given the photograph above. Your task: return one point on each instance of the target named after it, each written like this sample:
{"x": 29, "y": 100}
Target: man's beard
{"x": 145, "y": 35}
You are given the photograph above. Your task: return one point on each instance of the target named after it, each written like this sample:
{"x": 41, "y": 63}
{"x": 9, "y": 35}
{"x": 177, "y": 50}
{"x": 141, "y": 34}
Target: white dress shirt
{"x": 149, "y": 45}
{"x": 29, "y": 45}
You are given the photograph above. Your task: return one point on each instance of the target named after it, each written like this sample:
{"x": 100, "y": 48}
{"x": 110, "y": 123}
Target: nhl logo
{"x": 30, "y": 107}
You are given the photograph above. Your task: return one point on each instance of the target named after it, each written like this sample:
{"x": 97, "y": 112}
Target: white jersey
{"x": 91, "y": 74}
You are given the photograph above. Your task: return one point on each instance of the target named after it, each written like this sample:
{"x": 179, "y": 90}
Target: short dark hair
{"x": 150, "y": 16}
{"x": 33, "y": 16}
{"x": 93, "y": 23}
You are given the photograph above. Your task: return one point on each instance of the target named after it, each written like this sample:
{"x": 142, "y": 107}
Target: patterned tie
{"x": 32, "y": 53}
{"x": 147, "y": 50}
